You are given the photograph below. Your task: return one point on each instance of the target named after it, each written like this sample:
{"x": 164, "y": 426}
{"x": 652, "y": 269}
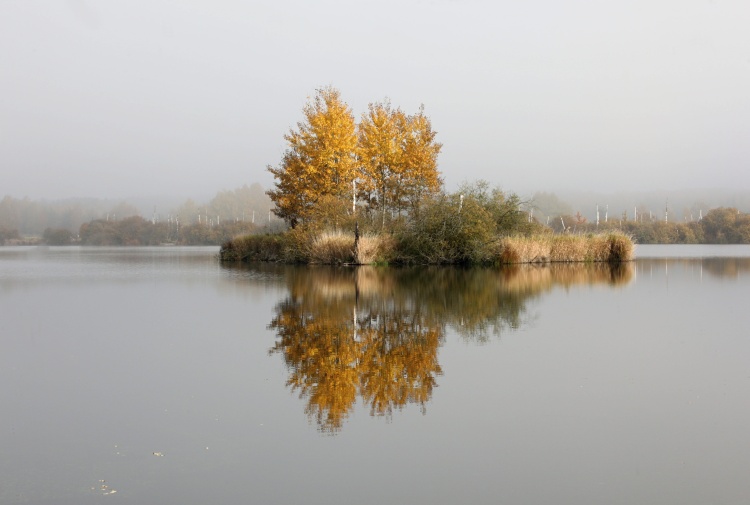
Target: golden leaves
{"x": 399, "y": 156}
{"x": 391, "y": 155}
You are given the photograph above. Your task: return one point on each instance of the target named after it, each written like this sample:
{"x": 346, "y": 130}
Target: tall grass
{"x": 374, "y": 249}
{"x": 332, "y": 248}
{"x": 524, "y": 249}
{"x": 612, "y": 247}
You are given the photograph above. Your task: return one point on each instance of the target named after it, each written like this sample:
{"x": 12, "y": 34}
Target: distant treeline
{"x": 682, "y": 204}
{"x": 136, "y": 231}
{"x": 53, "y": 223}
{"x": 30, "y": 218}
{"x": 718, "y": 226}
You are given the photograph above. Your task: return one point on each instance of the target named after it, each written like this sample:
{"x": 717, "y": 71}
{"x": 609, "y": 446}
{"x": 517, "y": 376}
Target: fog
{"x": 157, "y": 97}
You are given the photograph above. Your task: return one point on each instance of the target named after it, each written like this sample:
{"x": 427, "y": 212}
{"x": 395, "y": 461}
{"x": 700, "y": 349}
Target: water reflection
{"x": 374, "y": 333}
{"x": 726, "y": 267}
{"x": 719, "y": 267}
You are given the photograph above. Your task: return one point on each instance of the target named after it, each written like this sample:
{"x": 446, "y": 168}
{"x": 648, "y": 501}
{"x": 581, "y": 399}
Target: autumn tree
{"x": 420, "y": 174}
{"x": 381, "y": 136}
{"x": 321, "y": 159}
{"x": 391, "y": 156}
{"x": 399, "y": 158}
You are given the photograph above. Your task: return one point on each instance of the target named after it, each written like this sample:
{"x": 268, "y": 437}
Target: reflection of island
{"x": 375, "y": 333}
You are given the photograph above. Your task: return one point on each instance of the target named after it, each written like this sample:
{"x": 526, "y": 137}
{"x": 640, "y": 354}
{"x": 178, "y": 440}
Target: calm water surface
{"x": 155, "y": 375}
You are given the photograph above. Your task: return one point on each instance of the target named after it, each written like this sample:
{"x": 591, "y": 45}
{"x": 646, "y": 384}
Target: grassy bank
{"x": 334, "y": 248}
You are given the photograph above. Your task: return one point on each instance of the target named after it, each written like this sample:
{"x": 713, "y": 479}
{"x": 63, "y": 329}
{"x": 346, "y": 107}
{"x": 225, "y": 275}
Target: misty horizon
{"x": 155, "y": 98}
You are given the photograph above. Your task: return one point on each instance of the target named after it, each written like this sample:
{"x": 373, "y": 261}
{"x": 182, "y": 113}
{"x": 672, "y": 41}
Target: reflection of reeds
{"x": 533, "y": 279}
{"x": 374, "y": 281}
{"x": 419, "y": 285}
{"x": 322, "y": 283}
{"x": 612, "y": 247}
{"x": 340, "y": 286}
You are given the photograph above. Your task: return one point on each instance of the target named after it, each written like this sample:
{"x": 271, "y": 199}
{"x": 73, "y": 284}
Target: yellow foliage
{"x": 391, "y": 155}
{"x": 321, "y": 159}
{"x": 399, "y": 157}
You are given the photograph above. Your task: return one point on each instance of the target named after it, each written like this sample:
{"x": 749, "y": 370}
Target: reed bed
{"x": 332, "y": 248}
{"x": 611, "y": 247}
{"x": 335, "y": 248}
{"x": 524, "y": 249}
{"x": 374, "y": 249}
{"x": 574, "y": 248}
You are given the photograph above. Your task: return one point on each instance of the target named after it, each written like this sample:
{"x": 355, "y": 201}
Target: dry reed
{"x": 374, "y": 249}
{"x": 331, "y": 248}
{"x": 612, "y": 247}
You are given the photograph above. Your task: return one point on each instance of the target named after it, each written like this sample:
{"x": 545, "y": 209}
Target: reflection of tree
{"x": 375, "y": 333}
{"x": 386, "y": 355}
{"x": 399, "y": 360}
{"x": 323, "y": 356}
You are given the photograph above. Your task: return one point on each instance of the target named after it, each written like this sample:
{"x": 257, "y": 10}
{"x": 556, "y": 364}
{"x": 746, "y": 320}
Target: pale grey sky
{"x": 156, "y": 97}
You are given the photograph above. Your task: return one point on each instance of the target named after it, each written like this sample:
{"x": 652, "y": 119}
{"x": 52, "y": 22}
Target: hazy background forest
{"x": 137, "y": 221}
{"x": 246, "y": 210}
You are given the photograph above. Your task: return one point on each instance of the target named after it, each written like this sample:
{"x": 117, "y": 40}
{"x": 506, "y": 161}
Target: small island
{"x": 406, "y": 248}
{"x": 370, "y": 193}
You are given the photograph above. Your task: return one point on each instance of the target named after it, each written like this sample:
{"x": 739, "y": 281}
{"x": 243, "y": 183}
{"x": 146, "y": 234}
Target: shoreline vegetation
{"x": 339, "y": 248}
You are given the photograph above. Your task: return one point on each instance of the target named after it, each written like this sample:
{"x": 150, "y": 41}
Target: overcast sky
{"x": 154, "y": 97}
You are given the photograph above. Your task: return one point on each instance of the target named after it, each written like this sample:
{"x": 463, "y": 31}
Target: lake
{"x": 157, "y": 375}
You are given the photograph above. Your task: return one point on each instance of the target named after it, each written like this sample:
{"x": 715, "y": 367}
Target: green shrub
{"x": 448, "y": 231}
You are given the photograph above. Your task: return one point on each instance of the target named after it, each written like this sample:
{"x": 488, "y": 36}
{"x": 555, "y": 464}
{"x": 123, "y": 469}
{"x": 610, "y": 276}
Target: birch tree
{"x": 321, "y": 159}
{"x": 399, "y": 158}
